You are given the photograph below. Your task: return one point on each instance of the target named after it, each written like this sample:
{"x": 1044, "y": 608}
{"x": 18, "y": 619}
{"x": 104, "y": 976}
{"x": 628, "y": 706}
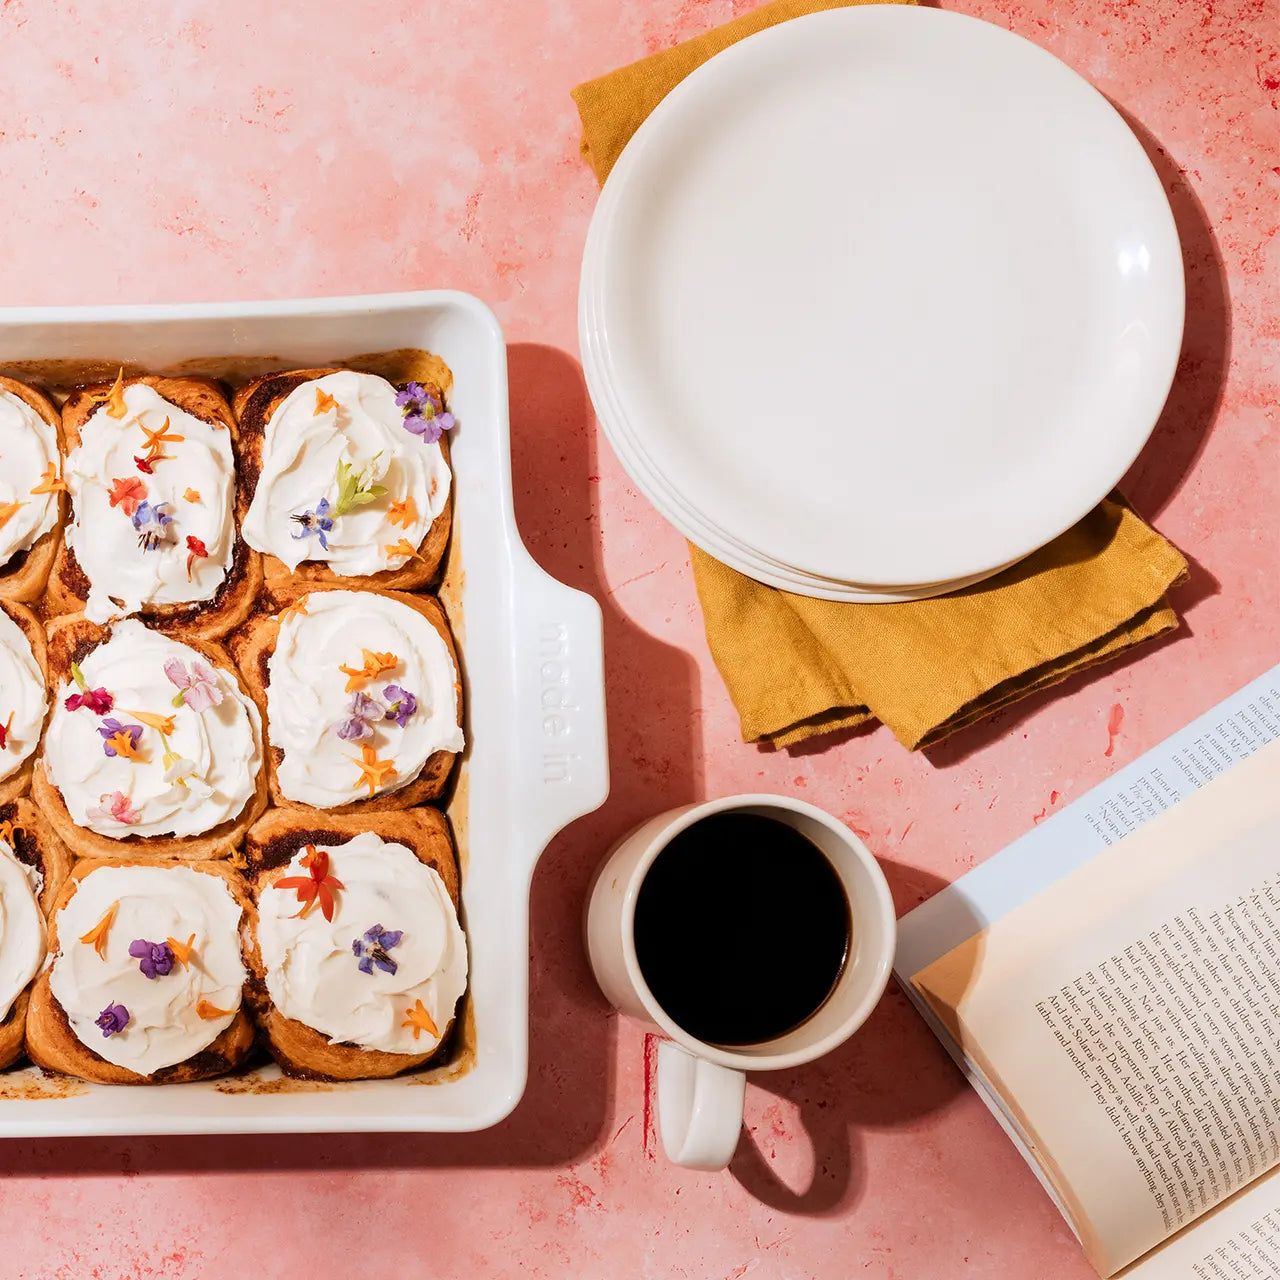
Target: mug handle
{"x": 699, "y": 1108}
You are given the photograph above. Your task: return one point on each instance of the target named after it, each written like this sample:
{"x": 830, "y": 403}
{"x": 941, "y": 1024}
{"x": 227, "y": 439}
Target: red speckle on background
{"x": 1114, "y": 721}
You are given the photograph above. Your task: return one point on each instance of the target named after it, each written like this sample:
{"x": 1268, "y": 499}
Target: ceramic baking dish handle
{"x": 564, "y": 759}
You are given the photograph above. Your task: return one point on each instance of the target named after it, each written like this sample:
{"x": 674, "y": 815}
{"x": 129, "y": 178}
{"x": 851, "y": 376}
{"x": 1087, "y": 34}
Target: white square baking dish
{"x": 533, "y": 670}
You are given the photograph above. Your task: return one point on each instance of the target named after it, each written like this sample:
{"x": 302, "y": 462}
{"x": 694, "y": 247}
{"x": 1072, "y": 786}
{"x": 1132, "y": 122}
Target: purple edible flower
{"x": 362, "y": 710}
{"x": 373, "y": 947}
{"x": 401, "y": 704}
{"x": 155, "y": 959}
{"x": 147, "y": 516}
{"x": 423, "y": 414}
{"x": 111, "y": 726}
{"x": 317, "y": 521}
{"x": 113, "y": 1019}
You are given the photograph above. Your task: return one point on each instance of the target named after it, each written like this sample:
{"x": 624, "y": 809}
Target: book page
{"x": 1128, "y": 1016}
{"x": 1238, "y": 1241}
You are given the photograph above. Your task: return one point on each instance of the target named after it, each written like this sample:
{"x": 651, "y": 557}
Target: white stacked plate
{"x": 879, "y": 301}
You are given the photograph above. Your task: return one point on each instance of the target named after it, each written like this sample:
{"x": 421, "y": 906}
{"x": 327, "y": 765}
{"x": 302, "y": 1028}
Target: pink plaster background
{"x": 249, "y": 149}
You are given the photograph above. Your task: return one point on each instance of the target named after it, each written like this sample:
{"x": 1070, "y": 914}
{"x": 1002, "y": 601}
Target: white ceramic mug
{"x": 701, "y": 1086}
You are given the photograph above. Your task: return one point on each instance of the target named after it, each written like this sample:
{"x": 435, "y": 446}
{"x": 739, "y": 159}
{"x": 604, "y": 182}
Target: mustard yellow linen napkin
{"x": 796, "y": 667}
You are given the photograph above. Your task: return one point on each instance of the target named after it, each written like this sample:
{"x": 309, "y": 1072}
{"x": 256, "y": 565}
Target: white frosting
{"x": 307, "y": 698}
{"x": 22, "y": 938}
{"x": 154, "y": 903}
{"x": 21, "y": 692}
{"x": 313, "y": 974}
{"x": 223, "y": 743}
{"x": 300, "y": 454}
{"x": 28, "y": 446}
{"x": 104, "y": 537}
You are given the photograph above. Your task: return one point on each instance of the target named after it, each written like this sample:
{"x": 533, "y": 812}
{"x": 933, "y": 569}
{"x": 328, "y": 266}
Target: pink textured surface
{"x": 249, "y": 150}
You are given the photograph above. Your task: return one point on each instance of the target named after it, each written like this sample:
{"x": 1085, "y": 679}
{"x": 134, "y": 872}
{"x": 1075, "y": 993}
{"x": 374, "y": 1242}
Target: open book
{"x": 1118, "y": 1004}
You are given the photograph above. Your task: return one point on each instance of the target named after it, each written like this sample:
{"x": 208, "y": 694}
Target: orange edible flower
{"x": 402, "y": 548}
{"x": 210, "y": 1012}
{"x": 374, "y": 665}
{"x": 372, "y": 770}
{"x": 9, "y": 831}
{"x": 324, "y": 403}
{"x": 97, "y": 936}
{"x": 182, "y": 950}
{"x": 316, "y": 886}
{"x": 49, "y": 482}
{"x": 6, "y": 511}
{"x": 156, "y": 439}
{"x": 420, "y": 1020}
{"x": 5, "y": 730}
{"x": 164, "y": 724}
{"x": 116, "y": 407}
{"x": 297, "y": 607}
{"x": 402, "y": 513}
{"x": 122, "y": 745}
{"x": 192, "y": 495}
{"x": 127, "y": 493}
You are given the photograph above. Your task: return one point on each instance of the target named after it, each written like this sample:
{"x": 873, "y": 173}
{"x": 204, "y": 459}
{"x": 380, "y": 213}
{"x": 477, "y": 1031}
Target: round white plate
{"x": 886, "y": 294}
{"x": 786, "y": 579}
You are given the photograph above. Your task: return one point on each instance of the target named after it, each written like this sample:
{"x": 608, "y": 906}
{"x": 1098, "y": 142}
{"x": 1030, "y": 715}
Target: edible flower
{"x": 402, "y": 547}
{"x": 372, "y": 770}
{"x": 197, "y": 687}
{"x": 115, "y": 1017}
{"x": 49, "y": 482}
{"x": 374, "y": 665}
{"x": 155, "y": 442}
{"x": 401, "y": 704}
{"x": 373, "y": 947}
{"x": 155, "y": 959}
{"x": 210, "y": 1012}
{"x": 9, "y": 832}
{"x": 361, "y": 712}
{"x": 317, "y": 521}
{"x": 299, "y": 606}
{"x": 403, "y": 513}
{"x": 6, "y": 511}
{"x": 325, "y": 403}
{"x": 182, "y": 773}
{"x": 316, "y": 886}
{"x": 127, "y": 494}
{"x": 4, "y": 731}
{"x": 147, "y": 515}
{"x": 182, "y": 950}
{"x": 191, "y": 495}
{"x": 113, "y": 806}
{"x": 163, "y": 725}
{"x": 195, "y": 550}
{"x": 116, "y": 407}
{"x": 420, "y": 1020}
{"x": 356, "y": 488}
{"x": 120, "y": 739}
{"x": 97, "y": 936}
{"x": 423, "y": 412}
{"x": 99, "y": 701}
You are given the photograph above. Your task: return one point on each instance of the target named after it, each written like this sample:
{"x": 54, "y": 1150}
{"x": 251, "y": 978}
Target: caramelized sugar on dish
{"x": 384, "y": 966}
{"x": 352, "y": 474}
{"x": 22, "y": 933}
{"x": 152, "y": 739}
{"x": 148, "y": 969}
{"x": 362, "y": 693}
{"x": 23, "y": 700}
{"x": 152, "y": 494}
{"x": 28, "y": 502}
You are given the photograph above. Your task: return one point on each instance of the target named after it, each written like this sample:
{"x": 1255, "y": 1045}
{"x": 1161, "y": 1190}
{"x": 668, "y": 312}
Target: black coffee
{"x": 742, "y": 929}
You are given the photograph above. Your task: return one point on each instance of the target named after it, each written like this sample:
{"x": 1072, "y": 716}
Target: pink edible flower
{"x": 113, "y": 806}
{"x": 99, "y": 701}
{"x": 197, "y": 688}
